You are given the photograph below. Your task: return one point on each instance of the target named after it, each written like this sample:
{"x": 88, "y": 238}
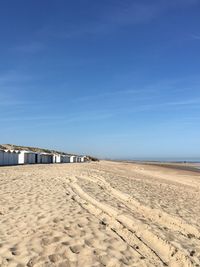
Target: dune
{"x": 99, "y": 214}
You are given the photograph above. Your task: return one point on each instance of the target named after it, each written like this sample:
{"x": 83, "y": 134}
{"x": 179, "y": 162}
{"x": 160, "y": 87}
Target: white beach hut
{"x": 27, "y": 157}
{"x": 56, "y": 158}
{"x": 82, "y": 159}
{"x": 72, "y": 159}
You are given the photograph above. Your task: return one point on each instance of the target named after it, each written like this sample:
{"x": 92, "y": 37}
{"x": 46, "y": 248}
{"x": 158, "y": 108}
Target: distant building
{"x": 56, "y": 158}
{"x": 8, "y": 157}
{"x": 15, "y": 157}
{"x": 28, "y": 157}
{"x": 65, "y": 158}
{"x": 83, "y": 159}
{"x": 46, "y": 158}
{"x": 72, "y": 159}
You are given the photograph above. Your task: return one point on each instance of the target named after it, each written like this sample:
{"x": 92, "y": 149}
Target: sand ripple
{"x": 98, "y": 214}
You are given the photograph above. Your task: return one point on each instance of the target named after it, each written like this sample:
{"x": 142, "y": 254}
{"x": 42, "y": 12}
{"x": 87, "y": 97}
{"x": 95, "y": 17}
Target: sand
{"x": 99, "y": 214}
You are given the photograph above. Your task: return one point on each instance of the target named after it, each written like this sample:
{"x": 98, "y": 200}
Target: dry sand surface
{"x": 99, "y": 214}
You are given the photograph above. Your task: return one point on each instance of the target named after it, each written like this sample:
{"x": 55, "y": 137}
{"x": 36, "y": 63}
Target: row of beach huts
{"x": 15, "y": 157}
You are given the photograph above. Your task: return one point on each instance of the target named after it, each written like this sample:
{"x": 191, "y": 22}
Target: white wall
{"x": 82, "y": 159}
{"x": 56, "y": 158}
{"x": 72, "y": 159}
{"x": 21, "y": 157}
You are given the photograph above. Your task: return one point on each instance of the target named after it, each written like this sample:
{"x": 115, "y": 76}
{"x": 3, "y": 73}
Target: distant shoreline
{"x": 178, "y": 165}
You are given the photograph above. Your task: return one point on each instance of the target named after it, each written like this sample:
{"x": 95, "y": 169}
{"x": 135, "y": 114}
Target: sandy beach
{"x": 99, "y": 214}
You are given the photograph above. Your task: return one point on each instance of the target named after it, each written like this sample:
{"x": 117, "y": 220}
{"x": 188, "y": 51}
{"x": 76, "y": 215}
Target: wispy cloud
{"x": 129, "y": 12}
{"x": 183, "y": 102}
{"x": 11, "y": 86}
{"x": 32, "y": 47}
{"x": 31, "y": 118}
{"x": 113, "y": 94}
{"x": 180, "y": 122}
{"x": 10, "y": 102}
{"x": 136, "y": 12}
{"x": 195, "y": 37}
{"x": 101, "y": 115}
{"x": 114, "y": 14}
{"x": 166, "y": 105}
{"x": 159, "y": 106}
{"x": 44, "y": 121}
{"x": 13, "y": 76}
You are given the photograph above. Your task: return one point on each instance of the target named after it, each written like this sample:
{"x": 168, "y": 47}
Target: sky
{"x": 111, "y": 78}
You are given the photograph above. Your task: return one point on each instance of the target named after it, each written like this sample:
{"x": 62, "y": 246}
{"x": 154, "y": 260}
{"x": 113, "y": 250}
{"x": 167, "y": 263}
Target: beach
{"x": 99, "y": 214}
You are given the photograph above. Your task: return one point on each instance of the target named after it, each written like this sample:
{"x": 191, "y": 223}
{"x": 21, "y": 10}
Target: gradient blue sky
{"x": 110, "y": 78}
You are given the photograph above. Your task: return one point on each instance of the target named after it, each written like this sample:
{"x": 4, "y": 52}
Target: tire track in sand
{"x": 159, "y": 252}
{"x": 154, "y": 215}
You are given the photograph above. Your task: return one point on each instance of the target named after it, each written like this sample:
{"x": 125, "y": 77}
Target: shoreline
{"x": 184, "y": 166}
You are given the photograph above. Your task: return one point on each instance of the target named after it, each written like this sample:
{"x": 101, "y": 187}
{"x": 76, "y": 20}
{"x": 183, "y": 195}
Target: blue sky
{"x": 111, "y": 78}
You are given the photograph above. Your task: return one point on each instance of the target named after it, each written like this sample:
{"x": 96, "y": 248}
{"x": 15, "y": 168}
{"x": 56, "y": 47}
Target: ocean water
{"x": 197, "y": 165}
{"x": 189, "y": 160}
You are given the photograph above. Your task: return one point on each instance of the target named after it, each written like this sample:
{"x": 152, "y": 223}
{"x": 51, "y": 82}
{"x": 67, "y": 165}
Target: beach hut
{"x": 30, "y": 158}
{"x": 82, "y": 159}
{"x": 56, "y": 158}
{"x": 46, "y": 158}
{"x": 8, "y": 157}
{"x": 27, "y": 157}
{"x": 76, "y": 159}
{"x": 65, "y": 158}
{"x": 1, "y": 157}
{"x": 13, "y": 157}
{"x": 72, "y": 159}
